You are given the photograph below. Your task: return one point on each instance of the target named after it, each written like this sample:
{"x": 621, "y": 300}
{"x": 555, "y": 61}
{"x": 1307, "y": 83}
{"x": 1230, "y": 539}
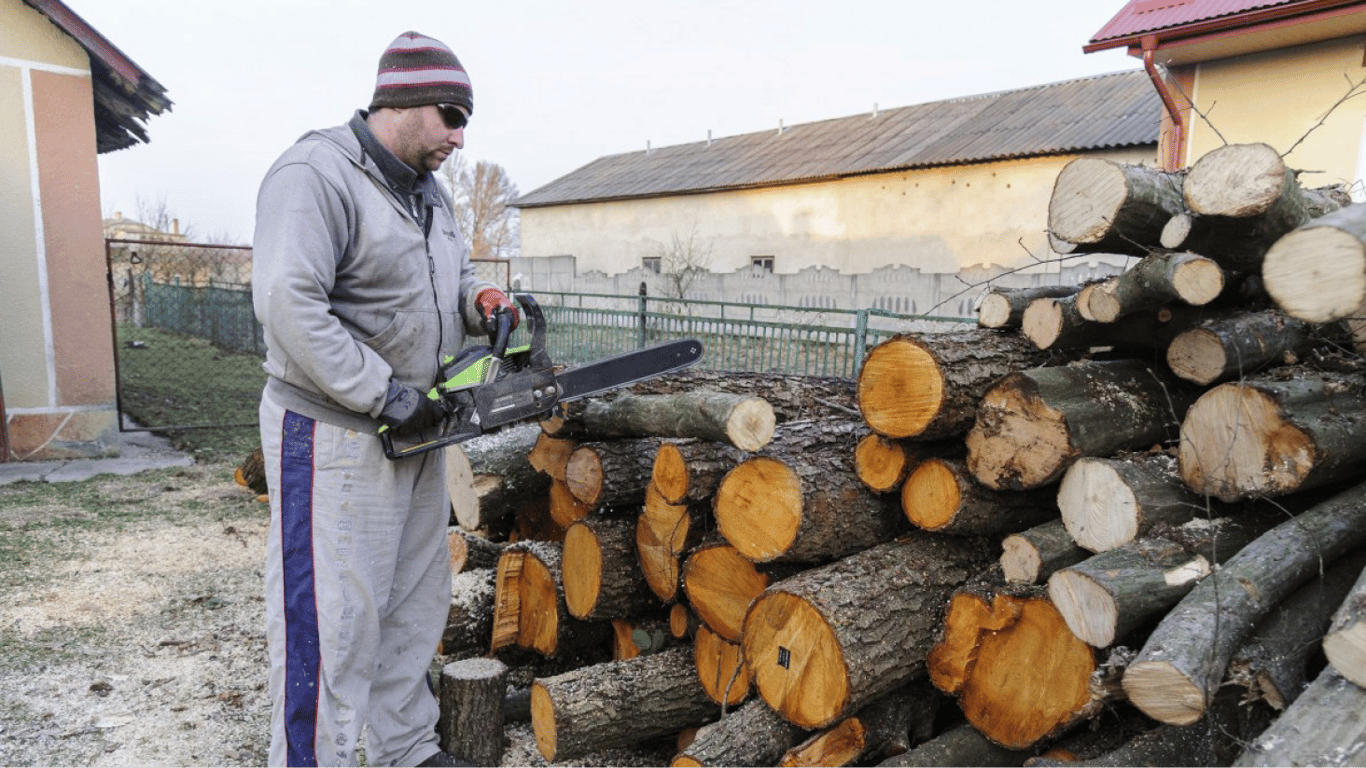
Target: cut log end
{"x": 795, "y": 660}
{"x": 1088, "y": 609}
{"x": 1163, "y": 693}
{"x": 881, "y": 463}
{"x": 1017, "y": 442}
{"x": 1198, "y": 356}
{"x": 670, "y": 473}
{"x": 720, "y": 668}
{"x": 1197, "y": 280}
{"x": 994, "y": 311}
{"x": 1346, "y": 651}
{"x": 582, "y": 570}
{"x": 1083, "y": 486}
{"x": 1235, "y": 180}
{"x": 543, "y": 720}
{"x": 1020, "y": 560}
{"x": 1317, "y": 274}
{"x": 721, "y": 585}
{"x": 1043, "y": 322}
{"x": 1235, "y": 444}
{"x": 1087, "y": 197}
{"x": 931, "y": 497}
{"x": 751, "y": 424}
{"x": 900, "y": 388}
{"x": 766, "y": 496}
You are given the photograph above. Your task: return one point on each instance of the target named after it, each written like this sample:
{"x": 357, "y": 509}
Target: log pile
{"x": 1106, "y": 526}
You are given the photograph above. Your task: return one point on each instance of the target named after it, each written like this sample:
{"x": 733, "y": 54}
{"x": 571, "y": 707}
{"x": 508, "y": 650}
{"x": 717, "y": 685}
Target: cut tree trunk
{"x": 1243, "y": 343}
{"x": 1020, "y": 676}
{"x": 826, "y": 641}
{"x": 1032, "y": 425}
{"x": 1345, "y": 643}
{"x": 801, "y": 500}
{"x": 1250, "y": 198}
{"x": 882, "y": 463}
{"x": 1031, "y": 556}
{"x": 928, "y": 386}
{"x": 1318, "y": 272}
{"x": 617, "y": 704}
{"x": 1287, "y": 430}
{"x": 1106, "y": 596}
{"x": 470, "y": 551}
{"x": 1106, "y": 206}
{"x": 549, "y": 455}
{"x": 720, "y": 584}
{"x": 529, "y": 607}
{"x": 753, "y": 735}
{"x": 1323, "y": 727}
{"x": 942, "y": 496}
{"x": 1109, "y": 502}
{"x": 566, "y": 508}
{"x": 1211, "y": 234}
{"x": 961, "y": 745}
{"x": 721, "y": 668}
{"x": 469, "y": 622}
{"x": 1003, "y": 308}
{"x": 888, "y": 727}
{"x": 743, "y": 421}
{"x": 689, "y": 471}
{"x": 1158, "y": 279}
{"x": 473, "y": 692}
{"x": 1187, "y": 655}
{"x": 1058, "y": 324}
{"x": 611, "y": 474}
{"x": 602, "y": 577}
{"x": 665, "y": 534}
{"x": 491, "y": 476}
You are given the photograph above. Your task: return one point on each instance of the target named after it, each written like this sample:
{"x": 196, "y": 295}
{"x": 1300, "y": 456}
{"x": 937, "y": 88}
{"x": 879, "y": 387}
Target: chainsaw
{"x": 485, "y": 388}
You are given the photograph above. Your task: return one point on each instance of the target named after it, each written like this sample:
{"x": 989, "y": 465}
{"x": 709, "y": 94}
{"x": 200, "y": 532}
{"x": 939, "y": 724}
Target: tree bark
{"x": 601, "y": 573}
{"x": 928, "y": 386}
{"x": 491, "y": 476}
{"x": 1106, "y": 206}
{"x": 942, "y": 496}
{"x": 1003, "y": 308}
{"x": 1243, "y": 343}
{"x": 721, "y": 668}
{"x": 1187, "y": 655}
{"x": 469, "y": 623}
{"x": 617, "y": 704}
{"x": 1323, "y": 727}
{"x": 688, "y": 471}
{"x": 1109, "y": 502}
{"x": 1031, "y": 556}
{"x": 1288, "y": 430}
{"x": 961, "y": 745}
{"x": 1032, "y": 425}
{"x": 888, "y": 727}
{"x": 1345, "y": 643}
{"x": 1158, "y": 279}
{"x": 665, "y": 533}
{"x": 753, "y": 735}
{"x": 473, "y": 692}
{"x": 824, "y": 642}
{"x": 800, "y": 501}
{"x": 611, "y": 474}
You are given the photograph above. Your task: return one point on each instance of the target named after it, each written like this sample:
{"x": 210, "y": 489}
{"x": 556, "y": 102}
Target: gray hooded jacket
{"x": 350, "y": 288}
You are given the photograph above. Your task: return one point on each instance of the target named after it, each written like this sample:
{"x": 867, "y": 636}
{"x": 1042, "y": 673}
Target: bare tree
{"x": 682, "y": 260}
{"x": 482, "y": 206}
{"x": 158, "y": 215}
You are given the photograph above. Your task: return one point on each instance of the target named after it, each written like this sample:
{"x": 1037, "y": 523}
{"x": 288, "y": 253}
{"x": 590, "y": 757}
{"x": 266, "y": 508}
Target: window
{"x": 761, "y": 265}
{"x": 653, "y": 264}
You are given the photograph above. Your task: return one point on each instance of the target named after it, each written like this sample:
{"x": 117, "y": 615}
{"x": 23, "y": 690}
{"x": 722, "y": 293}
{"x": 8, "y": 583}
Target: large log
{"x": 1243, "y": 343}
{"x": 1345, "y": 643}
{"x": 801, "y": 501}
{"x": 1318, "y": 272}
{"x": 1212, "y": 234}
{"x": 601, "y": 572}
{"x": 824, "y": 642}
{"x": 491, "y": 476}
{"x": 942, "y": 496}
{"x": 888, "y": 727}
{"x": 1251, "y": 198}
{"x": 1033, "y": 424}
{"x": 1109, "y": 502}
{"x": 720, "y": 584}
{"x": 1032, "y": 555}
{"x": 1186, "y": 656}
{"x": 1107, "y": 206}
{"x": 665, "y": 533}
{"x": 753, "y": 735}
{"x": 1158, "y": 279}
{"x": 611, "y": 474}
{"x": 473, "y": 693}
{"x": 617, "y": 704}
{"x": 1287, "y": 430}
{"x": 743, "y": 421}
{"x": 1323, "y": 727}
{"x": 688, "y": 471}
{"x": 721, "y": 668}
{"x": 1106, "y": 596}
{"x": 960, "y": 745}
{"x": 927, "y": 386}
{"x": 1003, "y": 308}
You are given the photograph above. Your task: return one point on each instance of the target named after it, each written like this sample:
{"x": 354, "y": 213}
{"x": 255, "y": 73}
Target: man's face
{"x": 425, "y": 140}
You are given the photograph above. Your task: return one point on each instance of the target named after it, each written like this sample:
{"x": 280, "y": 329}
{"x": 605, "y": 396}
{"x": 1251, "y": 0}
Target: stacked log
{"x": 1092, "y": 504}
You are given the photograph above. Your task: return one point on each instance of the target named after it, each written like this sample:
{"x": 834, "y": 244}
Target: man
{"x": 362, "y": 283}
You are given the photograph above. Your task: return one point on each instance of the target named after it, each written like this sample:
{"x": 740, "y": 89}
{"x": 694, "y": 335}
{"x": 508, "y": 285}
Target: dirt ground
{"x": 132, "y": 629}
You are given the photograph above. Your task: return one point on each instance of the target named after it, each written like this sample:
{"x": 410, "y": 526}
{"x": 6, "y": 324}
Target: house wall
{"x": 56, "y": 360}
{"x": 854, "y": 239}
{"x": 1278, "y": 97}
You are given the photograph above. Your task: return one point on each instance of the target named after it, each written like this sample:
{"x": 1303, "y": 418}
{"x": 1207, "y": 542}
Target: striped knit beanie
{"x": 416, "y": 70}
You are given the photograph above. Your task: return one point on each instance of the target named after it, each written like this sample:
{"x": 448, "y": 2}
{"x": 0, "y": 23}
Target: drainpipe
{"x": 1178, "y": 135}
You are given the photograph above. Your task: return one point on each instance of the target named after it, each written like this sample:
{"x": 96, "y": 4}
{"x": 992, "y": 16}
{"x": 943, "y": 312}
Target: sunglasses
{"x": 452, "y": 116}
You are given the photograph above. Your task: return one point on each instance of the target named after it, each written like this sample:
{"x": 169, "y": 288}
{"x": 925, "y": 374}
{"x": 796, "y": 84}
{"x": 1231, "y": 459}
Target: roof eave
{"x": 1221, "y": 25}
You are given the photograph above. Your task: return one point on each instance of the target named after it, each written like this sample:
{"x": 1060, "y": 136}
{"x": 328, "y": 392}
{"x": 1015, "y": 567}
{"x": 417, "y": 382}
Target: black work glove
{"x": 408, "y": 410}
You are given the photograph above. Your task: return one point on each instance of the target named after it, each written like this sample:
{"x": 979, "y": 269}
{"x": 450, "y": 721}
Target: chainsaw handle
{"x": 501, "y": 331}
{"x": 535, "y": 322}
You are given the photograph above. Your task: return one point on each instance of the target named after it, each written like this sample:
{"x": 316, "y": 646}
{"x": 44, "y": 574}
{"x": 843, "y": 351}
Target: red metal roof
{"x": 1167, "y": 17}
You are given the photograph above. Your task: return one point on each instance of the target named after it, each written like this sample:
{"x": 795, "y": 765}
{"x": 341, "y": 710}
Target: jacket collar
{"x": 397, "y": 174}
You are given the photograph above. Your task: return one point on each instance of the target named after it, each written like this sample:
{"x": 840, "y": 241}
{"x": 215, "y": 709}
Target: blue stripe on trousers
{"x": 302, "y": 657}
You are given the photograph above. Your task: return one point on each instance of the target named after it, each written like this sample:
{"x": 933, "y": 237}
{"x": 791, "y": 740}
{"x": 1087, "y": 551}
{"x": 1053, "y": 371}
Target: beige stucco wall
{"x": 1280, "y": 96}
{"x": 939, "y": 220}
{"x": 56, "y": 363}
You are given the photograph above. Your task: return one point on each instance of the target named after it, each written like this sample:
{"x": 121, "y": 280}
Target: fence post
{"x": 641, "y": 313}
{"x": 860, "y": 340}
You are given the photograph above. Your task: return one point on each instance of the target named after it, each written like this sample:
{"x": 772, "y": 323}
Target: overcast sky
{"x": 556, "y": 84}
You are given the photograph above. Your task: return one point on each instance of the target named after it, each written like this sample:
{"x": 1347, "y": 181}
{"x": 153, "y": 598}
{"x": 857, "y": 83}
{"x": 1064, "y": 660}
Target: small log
{"x": 1107, "y": 206}
{"x": 470, "y": 551}
{"x": 490, "y": 476}
{"x": 1288, "y": 430}
{"x": 1322, "y": 727}
{"x": 800, "y": 501}
{"x": 1031, "y": 556}
{"x": 469, "y": 623}
{"x": 1251, "y": 199}
{"x": 1106, "y": 596}
{"x": 1212, "y": 234}
{"x": 1032, "y": 425}
{"x": 942, "y": 496}
{"x": 927, "y": 386}
{"x": 1109, "y": 502}
{"x": 688, "y": 471}
{"x": 665, "y": 533}
{"x": 1187, "y": 655}
{"x": 251, "y": 473}
{"x": 888, "y": 727}
{"x": 601, "y": 575}
{"x": 683, "y": 622}
{"x": 549, "y": 455}
{"x": 611, "y": 474}
{"x": 473, "y": 693}
{"x": 721, "y": 584}
{"x": 1223, "y": 348}
{"x": 753, "y": 735}
{"x": 636, "y": 637}
{"x": 1084, "y": 297}
{"x": 824, "y": 642}
{"x": 1158, "y": 279}
{"x": 793, "y": 397}
{"x": 720, "y": 668}
{"x": 1059, "y": 324}
{"x": 743, "y": 421}
{"x": 1003, "y": 308}
{"x": 1345, "y": 643}
{"x": 566, "y": 508}
{"x": 1318, "y": 272}
{"x": 529, "y": 606}
{"x": 617, "y": 704}
{"x": 960, "y": 745}
{"x": 882, "y": 463}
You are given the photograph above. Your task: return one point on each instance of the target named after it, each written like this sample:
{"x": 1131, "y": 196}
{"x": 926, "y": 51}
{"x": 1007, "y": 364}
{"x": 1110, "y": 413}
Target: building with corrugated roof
{"x": 890, "y": 208}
